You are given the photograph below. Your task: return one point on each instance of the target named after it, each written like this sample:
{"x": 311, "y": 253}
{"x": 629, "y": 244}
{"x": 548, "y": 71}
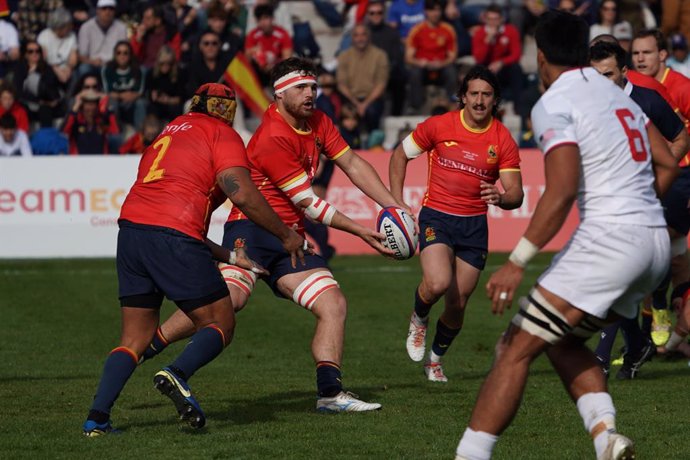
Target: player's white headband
{"x": 295, "y": 78}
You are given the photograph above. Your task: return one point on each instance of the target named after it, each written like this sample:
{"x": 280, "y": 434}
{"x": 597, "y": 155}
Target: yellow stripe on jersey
{"x": 474, "y": 130}
{"x": 666, "y": 72}
{"x": 341, "y": 153}
{"x": 293, "y": 180}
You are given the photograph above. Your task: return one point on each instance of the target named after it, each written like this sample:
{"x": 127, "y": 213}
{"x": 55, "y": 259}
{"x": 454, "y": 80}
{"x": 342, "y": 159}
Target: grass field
{"x": 60, "y": 319}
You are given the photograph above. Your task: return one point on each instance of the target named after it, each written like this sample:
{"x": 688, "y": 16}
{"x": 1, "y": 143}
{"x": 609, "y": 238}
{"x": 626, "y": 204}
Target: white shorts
{"x": 609, "y": 266}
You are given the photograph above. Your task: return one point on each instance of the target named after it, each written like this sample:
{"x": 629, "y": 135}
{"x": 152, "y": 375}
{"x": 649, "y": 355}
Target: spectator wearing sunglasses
{"x": 208, "y": 63}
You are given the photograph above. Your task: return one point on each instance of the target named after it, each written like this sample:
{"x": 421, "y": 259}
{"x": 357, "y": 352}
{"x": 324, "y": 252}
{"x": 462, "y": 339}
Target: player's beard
{"x": 298, "y": 109}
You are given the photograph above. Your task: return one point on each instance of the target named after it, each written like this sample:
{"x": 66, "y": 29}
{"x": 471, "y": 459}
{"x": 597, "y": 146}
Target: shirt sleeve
{"x": 509, "y": 155}
{"x": 552, "y": 128}
{"x": 334, "y": 145}
{"x": 423, "y": 137}
{"x": 664, "y": 118}
{"x": 228, "y": 150}
{"x": 24, "y": 146}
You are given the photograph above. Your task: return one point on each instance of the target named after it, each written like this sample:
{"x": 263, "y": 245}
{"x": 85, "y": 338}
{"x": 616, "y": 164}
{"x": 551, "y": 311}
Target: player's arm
{"x": 512, "y": 197}
{"x": 562, "y": 177}
{"x": 237, "y": 256}
{"x": 397, "y": 170}
{"x": 670, "y": 124}
{"x": 238, "y": 186}
{"x": 665, "y": 164}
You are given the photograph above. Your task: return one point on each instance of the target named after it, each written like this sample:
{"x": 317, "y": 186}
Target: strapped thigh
{"x": 238, "y": 277}
{"x": 312, "y": 287}
{"x": 538, "y": 317}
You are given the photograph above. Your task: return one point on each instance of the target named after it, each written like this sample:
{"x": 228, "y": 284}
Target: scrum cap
{"x": 216, "y": 100}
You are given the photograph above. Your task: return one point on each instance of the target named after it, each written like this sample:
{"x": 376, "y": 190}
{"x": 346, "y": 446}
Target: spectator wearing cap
{"x": 32, "y": 17}
{"x": 623, "y": 32}
{"x": 98, "y": 36}
{"x": 679, "y": 60}
{"x": 267, "y": 44}
{"x": 153, "y": 33}
{"x": 87, "y": 129}
{"x": 9, "y": 47}
{"x": 59, "y": 45}
{"x": 13, "y": 142}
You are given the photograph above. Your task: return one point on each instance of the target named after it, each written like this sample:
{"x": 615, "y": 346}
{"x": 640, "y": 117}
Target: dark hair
{"x": 563, "y": 38}
{"x": 133, "y": 62}
{"x": 217, "y": 10}
{"x": 616, "y": 18}
{"x": 80, "y": 83}
{"x": 7, "y": 121}
{"x": 658, "y": 37}
{"x": 433, "y": 4}
{"x": 6, "y": 85}
{"x": 291, "y": 65}
{"x": 261, "y": 11}
{"x": 480, "y": 72}
{"x": 603, "y": 50}
{"x": 494, "y": 8}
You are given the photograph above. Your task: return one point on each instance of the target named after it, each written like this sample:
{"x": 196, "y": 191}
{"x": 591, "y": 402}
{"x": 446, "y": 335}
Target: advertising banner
{"x": 68, "y": 206}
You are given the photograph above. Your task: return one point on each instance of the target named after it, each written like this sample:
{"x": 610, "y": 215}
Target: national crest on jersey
{"x": 460, "y": 158}
{"x": 282, "y": 157}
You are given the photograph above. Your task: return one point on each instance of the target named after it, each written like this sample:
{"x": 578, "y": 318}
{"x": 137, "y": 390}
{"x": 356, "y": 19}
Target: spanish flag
{"x": 240, "y": 75}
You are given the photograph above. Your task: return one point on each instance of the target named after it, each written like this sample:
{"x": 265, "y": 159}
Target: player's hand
{"x": 242, "y": 260}
{"x": 409, "y": 212}
{"x": 489, "y": 193}
{"x": 297, "y": 246}
{"x": 374, "y": 239}
{"x": 502, "y": 286}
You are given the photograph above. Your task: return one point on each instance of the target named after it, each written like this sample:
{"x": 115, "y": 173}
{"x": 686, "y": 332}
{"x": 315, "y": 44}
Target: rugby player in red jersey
{"x": 649, "y": 54}
{"x": 468, "y": 151}
{"x": 192, "y": 166}
{"x": 284, "y": 156}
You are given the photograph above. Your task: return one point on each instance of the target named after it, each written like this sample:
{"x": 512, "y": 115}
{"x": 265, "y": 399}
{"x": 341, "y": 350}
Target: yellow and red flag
{"x": 241, "y": 76}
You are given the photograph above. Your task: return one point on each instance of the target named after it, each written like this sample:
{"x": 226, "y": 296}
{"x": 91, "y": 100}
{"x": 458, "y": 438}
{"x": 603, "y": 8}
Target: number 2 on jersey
{"x": 155, "y": 173}
{"x": 635, "y": 138}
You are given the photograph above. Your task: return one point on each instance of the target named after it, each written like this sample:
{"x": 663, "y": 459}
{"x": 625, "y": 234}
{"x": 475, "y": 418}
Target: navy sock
{"x": 157, "y": 345}
{"x": 118, "y": 368}
{"x": 443, "y": 338}
{"x": 633, "y": 336}
{"x": 608, "y": 338}
{"x": 328, "y": 379}
{"x": 647, "y": 323}
{"x": 659, "y": 296}
{"x": 202, "y": 348}
{"x": 420, "y": 306}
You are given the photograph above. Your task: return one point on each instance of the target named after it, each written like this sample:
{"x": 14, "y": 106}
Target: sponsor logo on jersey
{"x": 430, "y": 234}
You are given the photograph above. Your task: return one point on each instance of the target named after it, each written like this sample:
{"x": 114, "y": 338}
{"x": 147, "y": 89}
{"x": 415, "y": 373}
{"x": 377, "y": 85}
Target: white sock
{"x": 433, "y": 357}
{"x": 418, "y": 320}
{"x": 674, "y": 341}
{"x": 476, "y": 445}
{"x": 599, "y": 417}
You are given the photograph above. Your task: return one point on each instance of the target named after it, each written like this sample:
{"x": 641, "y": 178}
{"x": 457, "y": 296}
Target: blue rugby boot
{"x": 93, "y": 429}
{"x": 178, "y": 391}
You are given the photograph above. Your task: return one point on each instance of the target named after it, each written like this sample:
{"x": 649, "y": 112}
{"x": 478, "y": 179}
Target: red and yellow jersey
{"x": 678, "y": 87}
{"x": 283, "y": 160}
{"x": 432, "y": 43}
{"x": 460, "y": 158}
{"x": 176, "y": 182}
{"x": 645, "y": 81}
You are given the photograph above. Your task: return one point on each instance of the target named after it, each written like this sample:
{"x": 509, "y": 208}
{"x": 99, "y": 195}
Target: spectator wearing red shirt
{"x": 152, "y": 34}
{"x": 267, "y": 44}
{"x": 87, "y": 128}
{"x": 430, "y": 53}
{"x": 8, "y": 103}
{"x": 497, "y": 45}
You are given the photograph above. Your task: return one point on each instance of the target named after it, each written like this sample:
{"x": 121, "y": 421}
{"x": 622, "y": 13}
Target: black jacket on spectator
{"x": 48, "y": 91}
{"x": 199, "y": 73}
{"x": 163, "y": 84}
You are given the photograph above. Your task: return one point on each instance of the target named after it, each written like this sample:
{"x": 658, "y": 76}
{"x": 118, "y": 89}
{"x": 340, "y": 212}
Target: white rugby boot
{"x": 416, "y": 337}
{"x": 344, "y": 402}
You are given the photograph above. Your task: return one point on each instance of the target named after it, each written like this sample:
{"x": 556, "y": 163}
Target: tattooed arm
{"x": 238, "y": 186}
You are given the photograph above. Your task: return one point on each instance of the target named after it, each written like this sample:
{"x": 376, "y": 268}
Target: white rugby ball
{"x": 398, "y": 227}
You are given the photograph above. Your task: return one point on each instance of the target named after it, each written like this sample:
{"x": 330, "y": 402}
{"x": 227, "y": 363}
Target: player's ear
{"x": 663, "y": 54}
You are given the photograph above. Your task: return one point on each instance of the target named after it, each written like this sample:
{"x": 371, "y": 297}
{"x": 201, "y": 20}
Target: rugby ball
{"x": 398, "y": 227}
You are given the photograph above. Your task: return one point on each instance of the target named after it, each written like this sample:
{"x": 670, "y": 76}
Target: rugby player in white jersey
{"x": 599, "y": 148}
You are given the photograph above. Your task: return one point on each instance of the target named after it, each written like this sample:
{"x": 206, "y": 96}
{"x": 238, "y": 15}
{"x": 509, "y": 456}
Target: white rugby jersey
{"x": 616, "y": 178}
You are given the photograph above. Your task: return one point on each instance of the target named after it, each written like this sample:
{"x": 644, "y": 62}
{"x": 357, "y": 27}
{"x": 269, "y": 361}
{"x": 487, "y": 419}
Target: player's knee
{"x": 538, "y": 317}
{"x": 332, "y": 307}
{"x": 318, "y": 288}
{"x": 240, "y": 283}
{"x": 435, "y": 287}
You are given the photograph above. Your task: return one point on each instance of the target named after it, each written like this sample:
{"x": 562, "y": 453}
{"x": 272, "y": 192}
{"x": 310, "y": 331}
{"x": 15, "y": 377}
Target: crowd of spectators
{"x": 107, "y": 74}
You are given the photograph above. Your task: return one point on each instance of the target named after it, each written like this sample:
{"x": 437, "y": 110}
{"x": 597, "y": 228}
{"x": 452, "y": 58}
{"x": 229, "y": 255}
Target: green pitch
{"x": 61, "y": 318}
